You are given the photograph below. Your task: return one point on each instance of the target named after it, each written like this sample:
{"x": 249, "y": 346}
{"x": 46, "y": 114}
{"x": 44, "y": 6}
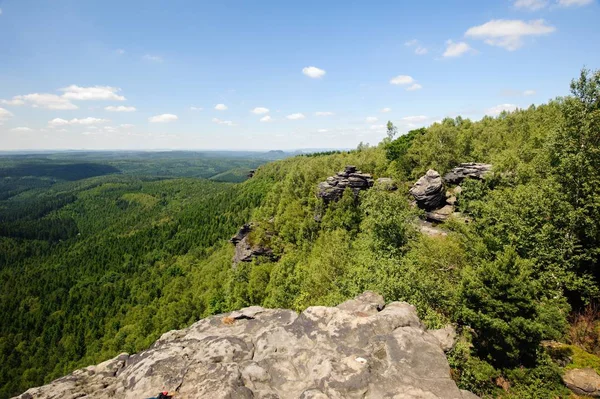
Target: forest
{"x": 96, "y": 262}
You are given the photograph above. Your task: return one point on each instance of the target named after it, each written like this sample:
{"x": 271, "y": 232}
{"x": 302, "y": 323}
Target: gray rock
{"x": 471, "y": 169}
{"x": 440, "y": 215}
{"x": 244, "y": 250}
{"x": 429, "y": 191}
{"x": 583, "y": 381}
{"x": 446, "y": 337}
{"x": 333, "y": 187}
{"x": 360, "y": 349}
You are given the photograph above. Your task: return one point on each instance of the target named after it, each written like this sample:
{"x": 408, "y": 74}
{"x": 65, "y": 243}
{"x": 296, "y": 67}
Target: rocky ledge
{"x": 359, "y": 349}
{"x": 244, "y": 250}
{"x": 333, "y": 188}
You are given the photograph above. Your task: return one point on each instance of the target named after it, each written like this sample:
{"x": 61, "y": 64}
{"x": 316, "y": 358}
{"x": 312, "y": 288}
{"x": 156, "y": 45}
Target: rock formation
{"x": 470, "y": 169}
{"x": 360, "y": 349}
{"x": 583, "y": 382}
{"x": 429, "y": 191}
{"x": 333, "y": 188}
{"x": 244, "y": 250}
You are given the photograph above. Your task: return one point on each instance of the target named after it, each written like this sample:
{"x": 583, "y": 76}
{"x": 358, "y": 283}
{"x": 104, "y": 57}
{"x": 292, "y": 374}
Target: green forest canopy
{"x": 93, "y": 267}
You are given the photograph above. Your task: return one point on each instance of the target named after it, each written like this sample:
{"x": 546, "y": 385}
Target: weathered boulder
{"x": 446, "y": 337}
{"x": 440, "y": 215}
{"x": 429, "y": 191}
{"x": 583, "y": 381}
{"x": 360, "y": 349}
{"x": 333, "y": 187}
{"x": 462, "y": 171}
{"x": 246, "y": 251}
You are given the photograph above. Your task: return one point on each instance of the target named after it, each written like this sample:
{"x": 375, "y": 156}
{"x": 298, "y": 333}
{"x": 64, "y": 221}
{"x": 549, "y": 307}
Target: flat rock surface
{"x": 359, "y": 349}
{"x": 583, "y": 381}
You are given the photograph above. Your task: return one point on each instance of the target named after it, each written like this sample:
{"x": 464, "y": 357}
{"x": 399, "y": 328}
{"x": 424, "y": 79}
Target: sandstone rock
{"x": 244, "y": 250}
{"x": 386, "y": 183}
{"x": 464, "y": 170}
{"x": 429, "y": 191}
{"x": 583, "y": 381}
{"x": 440, "y": 215}
{"x": 360, "y": 349}
{"x": 333, "y": 187}
{"x": 446, "y": 337}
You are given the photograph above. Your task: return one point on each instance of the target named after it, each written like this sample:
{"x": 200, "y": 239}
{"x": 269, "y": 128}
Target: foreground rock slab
{"x": 583, "y": 381}
{"x": 359, "y": 349}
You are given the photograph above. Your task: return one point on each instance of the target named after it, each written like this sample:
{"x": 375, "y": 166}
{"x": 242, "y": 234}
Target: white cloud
{"x": 371, "y": 119}
{"x": 414, "y": 87}
{"x": 21, "y": 129}
{"x": 120, "y": 108}
{"x": 313, "y": 72}
{"x": 163, "y": 118}
{"x": 498, "y": 109}
{"x": 386, "y": 110}
{"x": 529, "y": 92}
{"x": 5, "y": 114}
{"x": 402, "y": 80}
{"x": 220, "y": 122}
{"x": 221, "y": 107}
{"x": 153, "y": 58}
{"x": 421, "y": 50}
{"x": 126, "y": 126}
{"x": 577, "y": 3}
{"x": 75, "y": 92}
{"x": 508, "y": 34}
{"x": 0, "y": 11}
{"x": 414, "y": 119}
{"x": 192, "y": 108}
{"x": 324, "y": 113}
{"x": 411, "y": 43}
{"x": 322, "y": 131}
{"x": 266, "y": 118}
{"x": 260, "y": 110}
{"x": 456, "y": 49}
{"x": 377, "y": 127}
{"x": 42, "y": 100}
{"x": 296, "y": 116}
{"x": 76, "y": 121}
{"x": 531, "y": 5}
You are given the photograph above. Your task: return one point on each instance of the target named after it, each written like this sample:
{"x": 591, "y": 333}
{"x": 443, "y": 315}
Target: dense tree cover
{"x": 150, "y": 255}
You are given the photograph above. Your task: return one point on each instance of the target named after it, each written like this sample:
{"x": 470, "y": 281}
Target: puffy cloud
{"x": 163, "y": 118}
{"x": 260, "y": 110}
{"x": 5, "y": 114}
{"x": 402, "y": 80}
{"x": 21, "y": 129}
{"x": 415, "y": 119}
{"x": 85, "y": 121}
{"x": 577, "y": 3}
{"x": 531, "y": 5}
{"x": 313, "y": 72}
{"x": 371, "y": 119}
{"x": 0, "y": 11}
{"x": 498, "y": 109}
{"x": 120, "y": 108}
{"x": 421, "y": 50}
{"x": 322, "y": 131}
{"x": 456, "y": 49}
{"x": 529, "y": 92}
{"x": 377, "y": 127}
{"x": 126, "y": 126}
{"x": 414, "y": 87}
{"x": 192, "y": 108}
{"x": 508, "y": 34}
{"x": 221, "y": 107}
{"x": 42, "y": 100}
{"x": 153, "y": 58}
{"x": 266, "y": 118}
{"x": 386, "y": 109}
{"x": 323, "y": 113}
{"x": 75, "y": 92}
{"x": 221, "y": 122}
{"x": 296, "y": 116}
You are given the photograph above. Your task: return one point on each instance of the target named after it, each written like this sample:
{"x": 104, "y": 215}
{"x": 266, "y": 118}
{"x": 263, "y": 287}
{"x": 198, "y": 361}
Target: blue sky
{"x": 149, "y": 74}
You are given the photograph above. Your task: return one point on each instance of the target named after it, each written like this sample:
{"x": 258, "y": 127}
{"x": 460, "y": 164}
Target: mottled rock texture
{"x": 462, "y": 171}
{"x": 359, "y": 349}
{"x": 333, "y": 188}
{"x": 583, "y": 381}
{"x": 429, "y": 191}
{"x": 245, "y": 251}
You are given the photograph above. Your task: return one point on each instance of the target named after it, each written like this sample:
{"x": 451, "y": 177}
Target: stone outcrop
{"x": 333, "y": 188}
{"x": 583, "y": 382}
{"x": 360, "y": 349}
{"x": 429, "y": 191}
{"x": 467, "y": 170}
{"x": 244, "y": 250}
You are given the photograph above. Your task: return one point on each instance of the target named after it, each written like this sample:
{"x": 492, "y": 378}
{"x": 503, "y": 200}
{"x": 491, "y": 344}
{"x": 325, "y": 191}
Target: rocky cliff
{"x": 359, "y": 349}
